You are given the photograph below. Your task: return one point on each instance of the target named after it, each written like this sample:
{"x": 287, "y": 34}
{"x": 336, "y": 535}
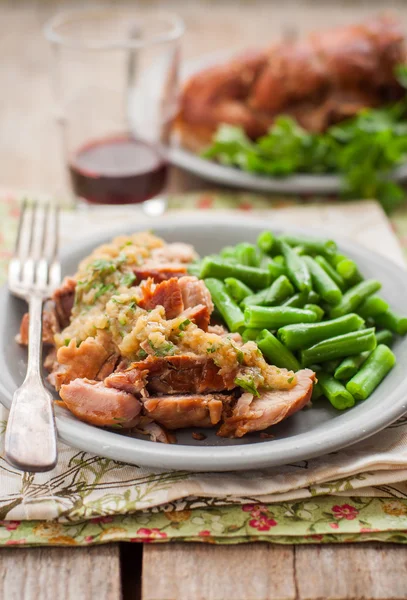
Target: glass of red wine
{"x": 115, "y": 73}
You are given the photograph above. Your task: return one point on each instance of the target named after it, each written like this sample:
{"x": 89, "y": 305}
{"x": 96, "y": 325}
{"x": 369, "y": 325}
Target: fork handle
{"x": 30, "y": 443}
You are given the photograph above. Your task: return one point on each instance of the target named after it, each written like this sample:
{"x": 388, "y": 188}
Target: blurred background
{"x": 30, "y": 156}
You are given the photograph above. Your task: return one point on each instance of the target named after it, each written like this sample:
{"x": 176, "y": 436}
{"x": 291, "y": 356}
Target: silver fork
{"x": 34, "y": 272}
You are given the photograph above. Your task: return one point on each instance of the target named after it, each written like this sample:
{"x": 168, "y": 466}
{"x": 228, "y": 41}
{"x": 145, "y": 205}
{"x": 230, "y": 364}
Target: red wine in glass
{"x": 118, "y": 170}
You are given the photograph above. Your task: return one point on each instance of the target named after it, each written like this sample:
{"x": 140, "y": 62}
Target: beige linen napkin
{"x": 84, "y": 486}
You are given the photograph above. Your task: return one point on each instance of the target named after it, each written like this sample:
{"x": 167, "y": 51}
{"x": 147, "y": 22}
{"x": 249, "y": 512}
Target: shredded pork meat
{"x": 133, "y": 347}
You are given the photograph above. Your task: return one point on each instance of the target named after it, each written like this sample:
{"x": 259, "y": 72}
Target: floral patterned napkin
{"x": 356, "y": 494}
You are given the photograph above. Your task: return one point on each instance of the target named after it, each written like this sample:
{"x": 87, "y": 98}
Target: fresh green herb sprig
{"x": 363, "y": 150}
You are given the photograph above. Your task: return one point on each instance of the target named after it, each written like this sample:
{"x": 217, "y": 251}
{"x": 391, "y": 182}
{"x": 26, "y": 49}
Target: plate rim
{"x": 223, "y": 458}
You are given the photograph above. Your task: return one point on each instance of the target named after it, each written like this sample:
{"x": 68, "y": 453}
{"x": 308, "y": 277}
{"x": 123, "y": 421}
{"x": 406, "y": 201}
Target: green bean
{"x": 335, "y": 392}
{"x": 265, "y": 261}
{"x": 311, "y": 245}
{"x": 354, "y": 297}
{"x": 347, "y": 268}
{"x": 372, "y": 372}
{"x": 225, "y": 304}
{"x": 316, "y": 392}
{"x": 194, "y": 269}
{"x": 373, "y": 305}
{"x": 297, "y": 337}
{"x": 237, "y": 289}
{"x": 323, "y": 284}
{"x": 279, "y": 290}
{"x": 330, "y": 366}
{"x": 336, "y": 258}
{"x": 228, "y": 253}
{"x": 297, "y": 301}
{"x": 220, "y": 269}
{"x": 300, "y": 250}
{"x": 250, "y": 334}
{"x": 296, "y": 269}
{"x": 357, "y": 278}
{"x": 279, "y": 259}
{"x": 339, "y": 347}
{"x": 275, "y": 269}
{"x": 277, "y": 316}
{"x": 265, "y": 241}
{"x": 329, "y": 270}
{"x": 393, "y": 321}
{"x": 313, "y": 297}
{"x": 350, "y": 366}
{"x": 275, "y": 352}
{"x": 384, "y": 336}
{"x": 247, "y": 254}
{"x": 317, "y": 310}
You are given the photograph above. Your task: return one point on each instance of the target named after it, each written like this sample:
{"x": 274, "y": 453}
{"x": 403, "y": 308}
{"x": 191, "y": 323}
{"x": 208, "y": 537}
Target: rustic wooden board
{"x": 60, "y": 573}
{"x": 203, "y": 572}
{"x": 266, "y": 572}
{"x": 358, "y": 571}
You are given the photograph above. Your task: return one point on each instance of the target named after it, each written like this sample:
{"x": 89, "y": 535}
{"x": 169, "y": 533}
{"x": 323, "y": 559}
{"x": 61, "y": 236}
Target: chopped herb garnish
{"x": 103, "y": 265}
{"x": 162, "y": 350}
{"x": 239, "y": 355}
{"x": 290, "y": 379}
{"x": 142, "y": 354}
{"x": 211, "y": 349}
{"x": 66, "y": 341}
{"x": 103, "y": 289}
{"x": 133, "y": 305}
{"x": 247, "y": 384}
{"x": 128, "y": 279}
{"x": 122, "y": 320}
{"x": 184, "y": 324}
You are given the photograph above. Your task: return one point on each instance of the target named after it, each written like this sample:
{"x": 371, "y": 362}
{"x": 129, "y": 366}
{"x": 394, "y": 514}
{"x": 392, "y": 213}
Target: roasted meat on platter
{"x": 319, "y": 80}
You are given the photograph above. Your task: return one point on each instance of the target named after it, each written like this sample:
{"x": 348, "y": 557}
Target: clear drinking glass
{"x": 115, "y": 72}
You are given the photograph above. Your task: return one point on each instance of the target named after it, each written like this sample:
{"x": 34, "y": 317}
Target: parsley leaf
{"x": 142, "y": 354}
{"x": 166, "y": 349}
{"x": 363, "y": 150}
{"x": 184, "y": 324}
{"x": 247, "y": 384}
{"x": 128, "y": 279}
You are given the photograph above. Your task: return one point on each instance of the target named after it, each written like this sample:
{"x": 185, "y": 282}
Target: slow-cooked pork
{"x": 93, "y": 402}
{"x": 319, "y": 80}
{"x": 185, "y": 373}
{"x": 271, "y": 407}
{"x": 191, "y": 410}
{"x": 142, "y": 354}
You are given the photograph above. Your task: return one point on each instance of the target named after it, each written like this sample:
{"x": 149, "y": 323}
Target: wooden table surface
{"x": 30, "y": 159}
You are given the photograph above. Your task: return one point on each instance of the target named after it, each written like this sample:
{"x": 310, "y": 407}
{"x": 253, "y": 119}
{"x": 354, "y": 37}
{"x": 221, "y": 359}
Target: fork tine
{"x": 41, "y": 271}
{"x": 14, "y": 268}
{"x": 55, "y": 268}
{"x": 28, "y": 252}
{"x": 20, "y": 228}
{"x": 31, "y": 229}
{"x": 55, "y": 225}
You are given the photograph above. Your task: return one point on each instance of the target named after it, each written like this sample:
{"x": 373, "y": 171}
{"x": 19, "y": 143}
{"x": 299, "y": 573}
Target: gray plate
{"x": 293, "y": 184}
{"x": 309, "y": 433}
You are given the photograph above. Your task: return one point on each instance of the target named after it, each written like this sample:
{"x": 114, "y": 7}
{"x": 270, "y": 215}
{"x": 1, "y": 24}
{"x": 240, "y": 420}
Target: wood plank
{"x": 203, "y": 572}
{"x": 60, "y": 573}
{"x": 357, "y": 572}
{"x": 266, "y": 572}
